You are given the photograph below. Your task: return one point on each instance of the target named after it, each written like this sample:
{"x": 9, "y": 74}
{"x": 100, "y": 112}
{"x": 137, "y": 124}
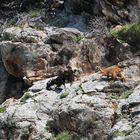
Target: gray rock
{"x": 10, "y": 86}
{"x": 121, "y": 129}
{"x": 94, "y": 86}
{"x": 127, "y": 126}
{"x": 134, "y": 98}
{"x": 63, "y": 36}
{"x": 28, "y": 60}
{"x": 27, "y": 35}
{"x": 86, "y": 114}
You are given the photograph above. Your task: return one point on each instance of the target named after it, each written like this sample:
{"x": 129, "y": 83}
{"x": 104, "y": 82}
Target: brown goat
{"x": 113, "y": 72}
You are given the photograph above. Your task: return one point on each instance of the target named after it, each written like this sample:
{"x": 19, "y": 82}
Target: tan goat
{"x": 111, "y": 72}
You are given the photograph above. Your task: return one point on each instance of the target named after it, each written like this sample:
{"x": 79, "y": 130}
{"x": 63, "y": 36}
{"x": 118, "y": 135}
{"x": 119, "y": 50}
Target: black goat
{"x": 62, "y": 78}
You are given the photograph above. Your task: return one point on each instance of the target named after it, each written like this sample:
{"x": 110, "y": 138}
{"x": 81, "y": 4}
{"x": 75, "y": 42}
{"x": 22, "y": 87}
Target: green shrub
{"x": 25, "y": 130}
{"x": 25, "y": 97}
{"x": 64, "y": 94}
{"x": 80, "y": 90}
{"x": 33, "y": 13}
{"x": 123, "y": 133}
{"x": 12, "y": 21}
{"x": 129, "y": 33}
{"x": 125, "y": 94}
{"x": 63, "y": 136}
{"x": 2, "y": 109}
{"x": 8, "y": 37}
{"x": 77, "y": 38}
{"x": 122, "y": 95}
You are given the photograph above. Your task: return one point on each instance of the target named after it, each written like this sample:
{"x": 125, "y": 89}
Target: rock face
{"x": 27, "y": 35}
{"x": 116, "y": 11}
{"x": 128, "y": 125}
{"x": 10, "y": 86}
{"x": 84, "y": 115}
{"x": 92, "y": 108}
{"x": 34, "y": 60}
{"x": 116, "y": 51}
{"x": 35, "y": 44}
{"x": 4, "y": 76}
{"x": 37, "y": 61}
{"x": 30, "y": 61}
{"x": 24, "y": 59}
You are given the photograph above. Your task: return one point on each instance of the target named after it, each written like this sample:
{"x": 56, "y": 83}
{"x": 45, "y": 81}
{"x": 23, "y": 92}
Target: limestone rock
{"x": 10, "y": 86}
{"x": 40, "y": 111}
{"x": 27, "y": 35}
{"x": 28, "y": 60}
{"x": 65, "y": 36}
{"x": 130, "y": 116}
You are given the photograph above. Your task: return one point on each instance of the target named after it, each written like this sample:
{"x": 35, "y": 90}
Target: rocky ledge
{"x": 91, "y": 108}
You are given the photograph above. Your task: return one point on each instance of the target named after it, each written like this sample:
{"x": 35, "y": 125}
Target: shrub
{"x": 33, "y": 13}
{"x": 59, "y": 22}
{"x": 80, "y": 90}
{"x": 64, "y": 94}
{"x": 63, "y": 136}
{"x": 77, "y": 38}
{"x": 8, "y": 37}
{"x": 129, "y": 33}
{"x": 84, "y": 138}
{"x": 121, "y": 95}
{"x": 125, "y": 95}
{"x": 2, "y": 109}
{"x": 98, "y": 25}
{"x": 48, "y": 125}
{"x": 25, "y": 97}
{"x": 12, "y": 21}
{"x": 25, "y": 130}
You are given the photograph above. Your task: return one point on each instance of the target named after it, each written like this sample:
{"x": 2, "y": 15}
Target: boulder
{"x": 27, "y": 35}
{"x": 63, "y": 36}
{"x": 28, "y": 60}
{"x": 10, "y": 86}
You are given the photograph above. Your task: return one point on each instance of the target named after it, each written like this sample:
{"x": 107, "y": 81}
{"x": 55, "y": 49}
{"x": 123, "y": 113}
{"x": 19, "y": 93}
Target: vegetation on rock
{"x": 33, "y": 13}
{"x": 121, "y": 95}
{"x": 46, "y": 36}
{"x": 8, "y": 37}
{"x": 63, "y": 136}
{"x": 64, "y": 94}
{"x": 2, "y": 109}
{"x": 129, "y": 33}
{"x": 25, "y": 97}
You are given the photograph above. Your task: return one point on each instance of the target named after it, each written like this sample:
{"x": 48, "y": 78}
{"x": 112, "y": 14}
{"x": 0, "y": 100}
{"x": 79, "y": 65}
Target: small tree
{"x": 99, "y": 26}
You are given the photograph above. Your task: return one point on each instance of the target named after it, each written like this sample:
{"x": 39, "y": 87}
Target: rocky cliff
{"x": 38, "y": 39}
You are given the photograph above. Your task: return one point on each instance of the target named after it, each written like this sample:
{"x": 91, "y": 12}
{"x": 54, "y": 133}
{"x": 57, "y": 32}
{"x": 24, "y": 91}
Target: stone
{"x": 134, "y": 98}
{"x": 63, "y": 36}
{"x": 27, "y": 35}
{"x": 28, "y": 60}
{"x": 44, "y": 110}
{"x": 10, "y": 86}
